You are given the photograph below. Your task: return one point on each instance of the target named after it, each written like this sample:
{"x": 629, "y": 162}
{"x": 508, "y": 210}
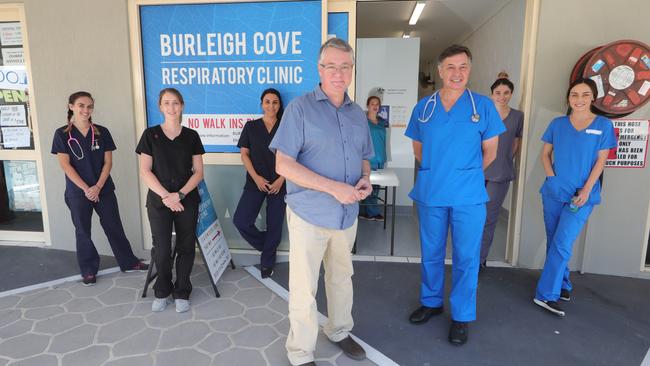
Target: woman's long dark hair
{"x": 71, "y": 100}
{"x": 594, "y": 91}
{"x": 277, "y": 94}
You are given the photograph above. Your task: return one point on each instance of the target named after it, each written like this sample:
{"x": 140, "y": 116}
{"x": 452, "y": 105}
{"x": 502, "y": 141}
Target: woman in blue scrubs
{"x": 502, "y": 170}
{"x": 85, "y": 153}
{"x": 262, "y": 183}
{"x": 574, "y": 155}
{"x": 369, "y": 210}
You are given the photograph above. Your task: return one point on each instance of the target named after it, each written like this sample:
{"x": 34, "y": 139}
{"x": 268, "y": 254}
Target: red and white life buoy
{"x": 621, "y": 71}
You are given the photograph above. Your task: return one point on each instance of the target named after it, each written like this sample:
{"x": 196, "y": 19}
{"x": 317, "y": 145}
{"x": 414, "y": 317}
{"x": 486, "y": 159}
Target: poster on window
{"x": 221, "y": 56}
{"x": 632, "y": 136}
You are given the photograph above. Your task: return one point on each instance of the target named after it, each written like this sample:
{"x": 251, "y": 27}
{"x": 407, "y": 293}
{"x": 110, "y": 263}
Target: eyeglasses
{"x": 331, "y": 68}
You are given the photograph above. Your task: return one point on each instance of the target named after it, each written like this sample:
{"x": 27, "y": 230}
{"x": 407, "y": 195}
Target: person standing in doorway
{"x": 455, "y": 137}
{"x": 369, "y": 209}
{"x": 171, "y": 165}
{"x": 85, "y": 153}
{"x": 502, "y": 170}
{"x": 262, "y": 183}
{"x": 322, "y": 148}
{"x": 574, "y": 156}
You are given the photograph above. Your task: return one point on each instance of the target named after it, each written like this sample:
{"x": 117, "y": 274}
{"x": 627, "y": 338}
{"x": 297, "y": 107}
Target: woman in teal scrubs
{"x": 574, "y": 155}
{"x": 368, "y": 209}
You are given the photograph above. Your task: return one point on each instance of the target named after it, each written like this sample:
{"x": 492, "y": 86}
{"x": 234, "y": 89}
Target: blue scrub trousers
{"x": 81, "y": 210}
{"x": 562, "y": 229}
{"x": 466, "y": 231}
{"x": 245, "y": 216}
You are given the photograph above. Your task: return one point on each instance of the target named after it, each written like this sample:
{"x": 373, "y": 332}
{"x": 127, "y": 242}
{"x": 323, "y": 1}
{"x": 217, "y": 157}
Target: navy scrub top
{"x": 172, "y": 160}
{"x": 90, "y": 166}
{"x": 257, "y": 139}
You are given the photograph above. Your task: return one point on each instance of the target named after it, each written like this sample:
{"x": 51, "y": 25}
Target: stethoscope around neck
{"x": 94, "y": 144}
{"x": 424, "y": 117}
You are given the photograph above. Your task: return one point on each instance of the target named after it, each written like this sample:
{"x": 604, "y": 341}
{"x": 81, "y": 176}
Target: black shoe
{"x": 352, "y": 349}
{"x": 458, "y": 333}
{"x": 378, "y": 218}
{"x": 550, "y": 306}
{"x": 267, "y": 272}
{"x": 89, "y": 280}
{"x": 366, "y": 217}
{"x": 423, "y": 313}
{"x": 565, "y": 295}
{"x": 138, "y": 267}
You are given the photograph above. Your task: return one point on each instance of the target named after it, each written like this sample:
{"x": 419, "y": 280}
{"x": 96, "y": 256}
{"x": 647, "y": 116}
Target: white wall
{"x": 392, "y": 64}
{"x": 84, "y": 45}
{"x": 616, "y": 229}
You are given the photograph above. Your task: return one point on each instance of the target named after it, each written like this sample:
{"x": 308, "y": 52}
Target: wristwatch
{"x": 181, "y": 195}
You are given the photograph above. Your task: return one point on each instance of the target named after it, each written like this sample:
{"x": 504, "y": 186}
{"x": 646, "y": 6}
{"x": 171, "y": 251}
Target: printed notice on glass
{"x": 632, "y": 137}
{"x": 13, "y": 56}
{"x": 12, "y": 115}
{"x": 11, "y": 34}
{"x": 15, "y": 137}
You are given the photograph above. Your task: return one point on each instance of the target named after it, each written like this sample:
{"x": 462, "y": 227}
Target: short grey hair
{"x": 337, "y": 43}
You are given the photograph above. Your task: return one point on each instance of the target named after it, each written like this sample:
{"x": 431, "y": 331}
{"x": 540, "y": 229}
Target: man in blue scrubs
{"x": 455, "y": 137}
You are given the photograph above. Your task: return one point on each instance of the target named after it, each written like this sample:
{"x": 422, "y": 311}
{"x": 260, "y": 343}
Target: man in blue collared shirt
{"x": 322, "y": 148}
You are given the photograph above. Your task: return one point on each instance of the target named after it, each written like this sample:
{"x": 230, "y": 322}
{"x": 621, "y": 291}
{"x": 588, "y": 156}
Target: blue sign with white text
{"x": 222, "y": 56}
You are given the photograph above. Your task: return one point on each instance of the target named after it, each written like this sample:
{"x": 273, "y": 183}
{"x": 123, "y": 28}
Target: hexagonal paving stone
{"x": 24, "y": 346}
{"x": 233, "y": 275}
{"x": 9, "y": 316}
{"x": 119, "y": 329}
{"x": 51, "y": 297}
{"x": 9, "y": 301}
{"x": 325, "y": 348}
{"x": 239, "y": 356}
{"x": 132, "y": 361}
{"x": 215, "y": 343}
{"x": 16, "y": 328}
{"x": 279, "y": 304}
{"x": 40, "y": 360}
{"x": 218, "y": 309}
{"x": 94, "y": 355}
{"x": 199, "y": 296}
{"x": 143, "y": 342}
{"x": 73, "y": 339}
{"x": 253, "y": 297}
{"x": 249, "y": 282}
{"x": 79, "y": 290}
{"x": 58, "y": 324}
{"x": 276, "y": 353}
{"x": 202, "y": 280}
{"x": 226, "y": 290}
{"x": 43, "y": 313}
{"x": 255, "y": 336}
{"x": 108, "y": 314}
{"x": 82, "y": 305}
{"x": 282, "y": 326}
{"x": 229, "y": 325}
{"x": 134, "y": 282}
{"x": 262, "y": 316}
{"x": 184, "y": 335}
{"x": 184, "y": 357}
{"x": 141, "y": 308}
{"x": 117, "y": 296}
{"x": 167, "y": 318}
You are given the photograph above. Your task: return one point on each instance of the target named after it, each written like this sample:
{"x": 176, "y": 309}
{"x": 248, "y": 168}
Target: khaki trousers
{"x": 309, "y": 246}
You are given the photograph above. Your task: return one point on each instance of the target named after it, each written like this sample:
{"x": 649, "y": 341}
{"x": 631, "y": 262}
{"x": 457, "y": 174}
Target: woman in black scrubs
{"x": 85, "y": 153}
{"x": 262, "y": 182}
{"x": 171, "y": 165}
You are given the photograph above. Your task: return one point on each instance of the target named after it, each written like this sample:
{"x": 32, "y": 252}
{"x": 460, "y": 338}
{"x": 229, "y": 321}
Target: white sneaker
{"x": 182, "y": 305}
{"x": 159, "y": 305}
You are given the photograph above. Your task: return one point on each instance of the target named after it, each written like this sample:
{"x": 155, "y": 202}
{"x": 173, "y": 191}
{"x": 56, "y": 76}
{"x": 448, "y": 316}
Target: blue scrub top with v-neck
{"x": 451, "y": 173}
{"x": 574, "y": 155}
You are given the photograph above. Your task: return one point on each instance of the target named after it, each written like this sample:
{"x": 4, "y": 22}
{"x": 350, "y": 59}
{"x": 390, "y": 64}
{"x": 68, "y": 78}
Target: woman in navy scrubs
{"x": 85, "y": 153}
{"x": 574, "y": 155}
{"x": 262, "y": 183}
{"x": 171, "y": 165}
{"x": 502, "y": 170}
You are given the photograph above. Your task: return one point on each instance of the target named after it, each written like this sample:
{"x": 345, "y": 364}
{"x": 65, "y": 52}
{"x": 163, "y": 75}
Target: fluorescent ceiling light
{"x": 417, "y": 11}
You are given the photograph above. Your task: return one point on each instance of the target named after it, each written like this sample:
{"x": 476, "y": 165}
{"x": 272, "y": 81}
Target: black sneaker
{"x": 550, "y": 306}
{"x": 267, "y": 272}
{"x": 565, "y": 295}
{"x": 378, "y": 218}
{"x": 89, "y": 280}
{"x": 138, "y": 267}
{"x": 458, "y": 333}
{"x": 366, "y": 217}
